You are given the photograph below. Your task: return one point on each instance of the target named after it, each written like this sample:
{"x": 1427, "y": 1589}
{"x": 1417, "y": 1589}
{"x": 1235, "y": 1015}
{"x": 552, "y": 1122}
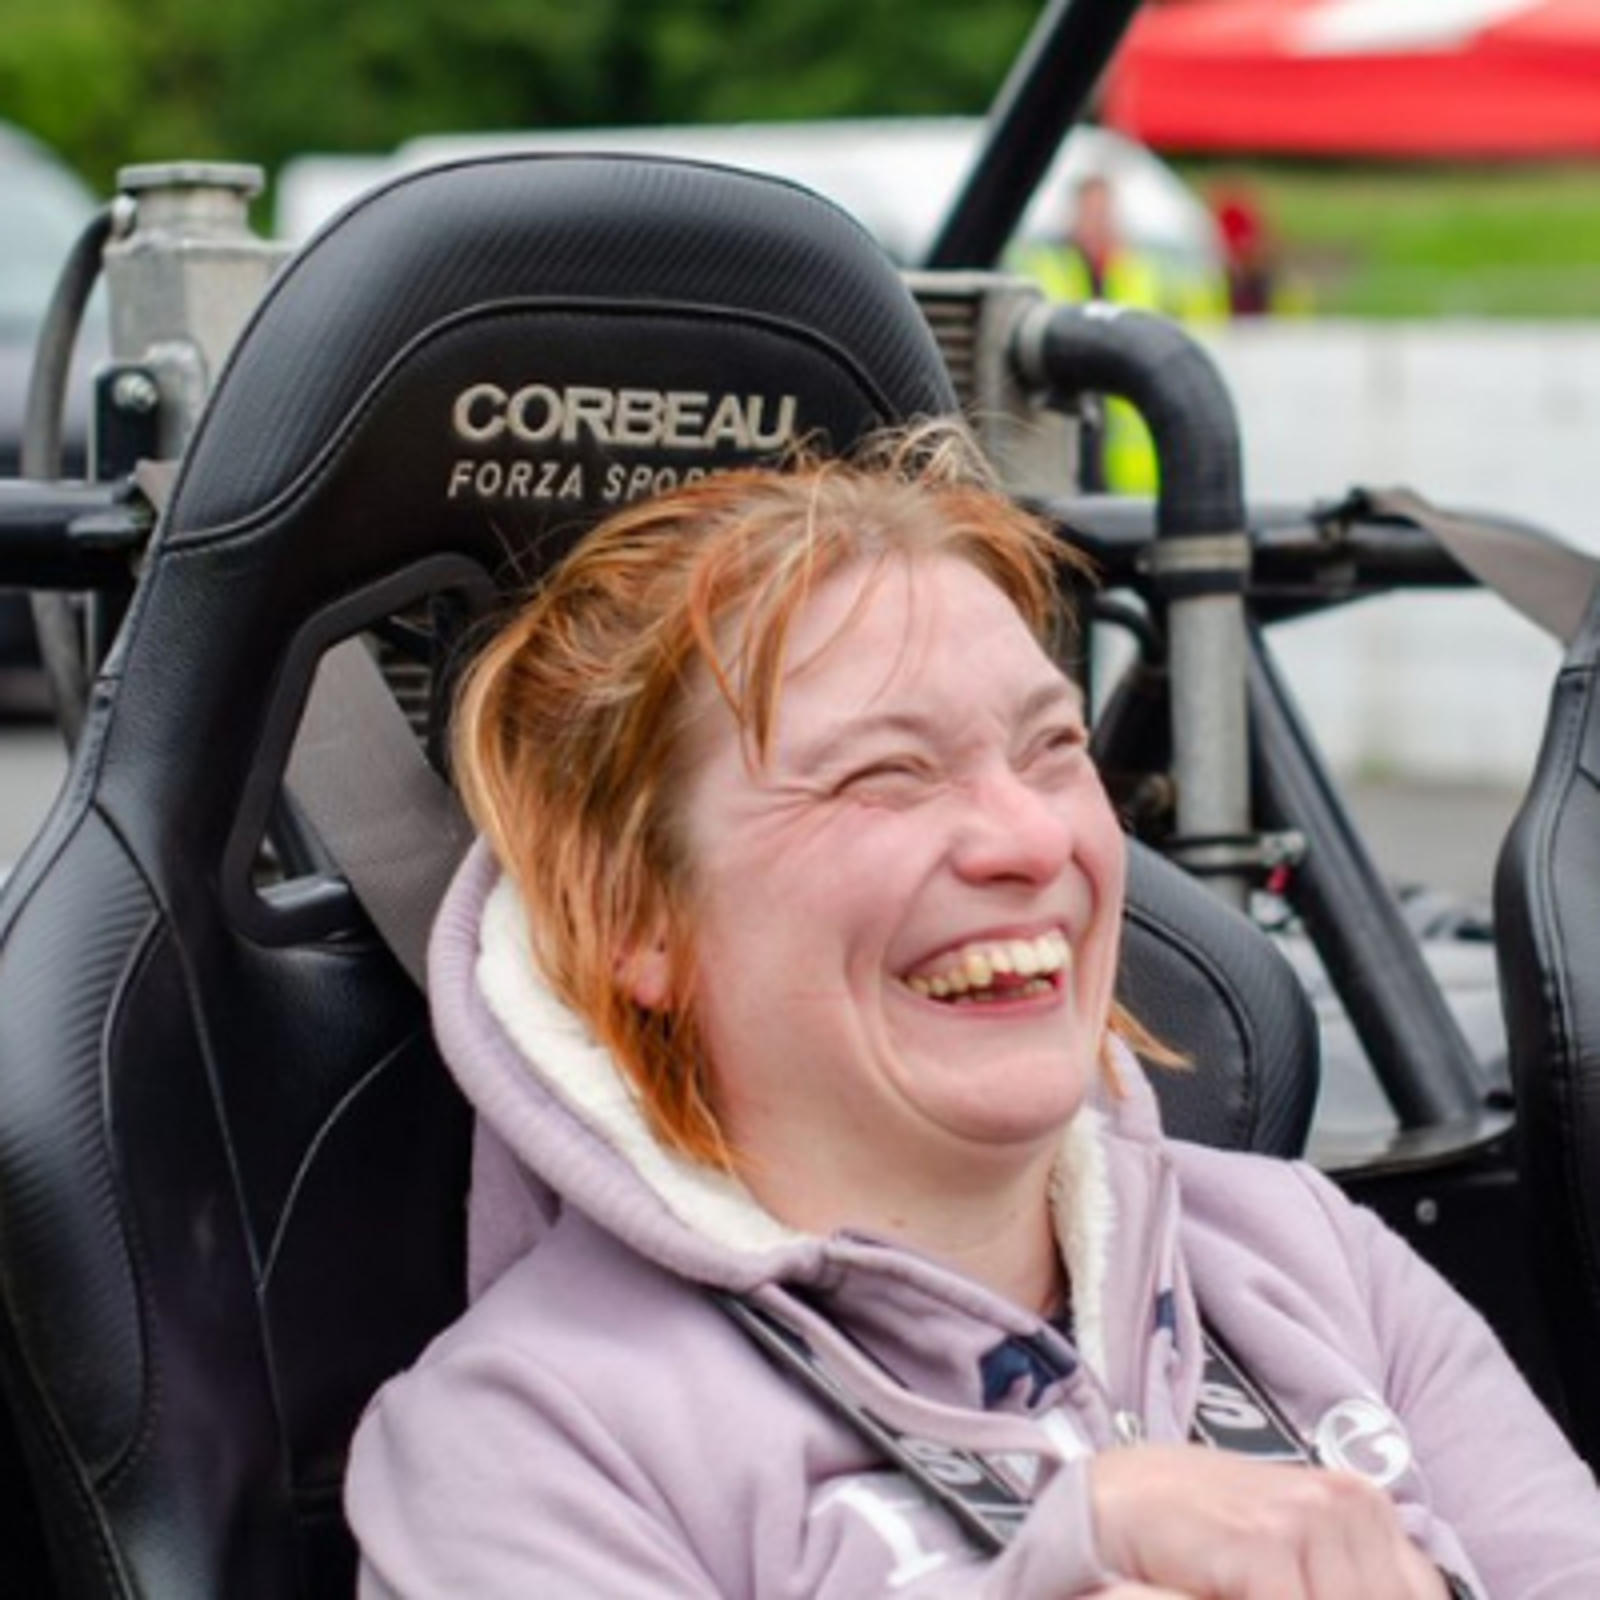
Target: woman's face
{"x": 907, "y": 922}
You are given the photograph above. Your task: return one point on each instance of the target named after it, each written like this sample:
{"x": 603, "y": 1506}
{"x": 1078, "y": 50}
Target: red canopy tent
{"x": 1399, "y": 79}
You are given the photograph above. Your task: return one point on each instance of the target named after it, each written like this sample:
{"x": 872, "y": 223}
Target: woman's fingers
{"x": 1205, "y": 1523}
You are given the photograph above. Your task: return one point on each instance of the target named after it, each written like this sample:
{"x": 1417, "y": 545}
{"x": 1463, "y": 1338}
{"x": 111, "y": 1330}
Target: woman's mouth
{"x": 995, "y": 969}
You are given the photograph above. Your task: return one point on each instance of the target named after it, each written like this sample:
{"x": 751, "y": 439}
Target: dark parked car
{"x": 45, "y": 206}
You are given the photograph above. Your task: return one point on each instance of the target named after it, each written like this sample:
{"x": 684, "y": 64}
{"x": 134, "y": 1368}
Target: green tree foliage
{"x": 113, "y": 81}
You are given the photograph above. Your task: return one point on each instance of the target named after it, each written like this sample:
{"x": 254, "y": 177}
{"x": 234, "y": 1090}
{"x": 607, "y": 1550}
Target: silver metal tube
{"x": 1207, "y": 656}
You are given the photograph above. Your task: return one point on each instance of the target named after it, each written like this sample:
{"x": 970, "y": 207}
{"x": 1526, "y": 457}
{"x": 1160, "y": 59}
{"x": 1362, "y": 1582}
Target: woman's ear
{"x": 645, "y": 972}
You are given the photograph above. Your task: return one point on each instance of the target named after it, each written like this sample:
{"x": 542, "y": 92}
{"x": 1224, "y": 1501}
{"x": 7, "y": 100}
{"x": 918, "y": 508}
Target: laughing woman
{"x": 826, "y": 1241}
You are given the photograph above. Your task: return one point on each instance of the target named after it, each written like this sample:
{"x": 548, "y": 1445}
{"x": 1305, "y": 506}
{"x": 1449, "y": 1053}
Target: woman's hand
{"x": 1206, "y": 1524}
{"x": 1137, "y": 1591}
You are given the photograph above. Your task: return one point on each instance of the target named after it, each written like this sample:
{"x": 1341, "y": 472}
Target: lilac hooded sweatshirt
{"x": 596, "y": 1427}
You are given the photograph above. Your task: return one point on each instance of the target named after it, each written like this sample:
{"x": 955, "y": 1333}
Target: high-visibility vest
{"x": 1127, "y": 456}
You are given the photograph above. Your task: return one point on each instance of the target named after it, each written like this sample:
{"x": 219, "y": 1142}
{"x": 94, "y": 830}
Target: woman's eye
{"x": 891, "y": 776}
{"x": 1059, "y": 743}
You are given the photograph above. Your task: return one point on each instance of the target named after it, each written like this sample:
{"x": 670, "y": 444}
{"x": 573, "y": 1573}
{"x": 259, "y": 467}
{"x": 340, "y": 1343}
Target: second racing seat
{"x": 1546, "y": 897}
{"x": 232, "y": 1169}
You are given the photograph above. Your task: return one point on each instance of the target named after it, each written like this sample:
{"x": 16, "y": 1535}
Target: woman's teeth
{"x": 1008, "y": 968}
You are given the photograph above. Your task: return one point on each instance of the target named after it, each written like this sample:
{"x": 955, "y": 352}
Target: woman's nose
{"x": 1014, "y": 829}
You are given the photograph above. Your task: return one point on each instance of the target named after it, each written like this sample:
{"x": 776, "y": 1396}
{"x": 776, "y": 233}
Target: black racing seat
{"x": 232, "y": 1170}
{"x": 1547, "y": 926}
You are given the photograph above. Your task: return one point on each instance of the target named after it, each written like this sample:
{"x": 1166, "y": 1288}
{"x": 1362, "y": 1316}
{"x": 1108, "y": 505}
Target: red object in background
{"x": 1402, "y": 79}
{"x": 1250, "y": 251}
{"x": 1239, "y": 222}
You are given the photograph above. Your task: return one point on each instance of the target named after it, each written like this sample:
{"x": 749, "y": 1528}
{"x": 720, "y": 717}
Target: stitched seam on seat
{"x": 323, "y": 1134}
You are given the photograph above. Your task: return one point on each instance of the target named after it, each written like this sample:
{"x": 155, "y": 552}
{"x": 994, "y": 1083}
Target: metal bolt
{"x": 135, "y": 392}
{"x": 124, "y": 216}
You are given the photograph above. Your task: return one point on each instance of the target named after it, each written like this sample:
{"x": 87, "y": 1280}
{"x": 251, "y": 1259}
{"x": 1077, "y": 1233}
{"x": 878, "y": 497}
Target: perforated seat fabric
{"x": 231, "y": 1168}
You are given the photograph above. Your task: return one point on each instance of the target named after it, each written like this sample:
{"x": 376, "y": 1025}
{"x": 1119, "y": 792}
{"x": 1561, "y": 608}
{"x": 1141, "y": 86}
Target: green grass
{"x": 1410, "y": 241}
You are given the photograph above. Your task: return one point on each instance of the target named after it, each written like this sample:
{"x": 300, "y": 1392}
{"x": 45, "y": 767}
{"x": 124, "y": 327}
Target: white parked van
{"x": 898, "y": 175}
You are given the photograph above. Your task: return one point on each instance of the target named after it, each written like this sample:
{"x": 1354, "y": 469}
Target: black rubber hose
{"x": 43, "y": 427}
{"x": 55, "y": 622}
{"x": 1170, "y": 379}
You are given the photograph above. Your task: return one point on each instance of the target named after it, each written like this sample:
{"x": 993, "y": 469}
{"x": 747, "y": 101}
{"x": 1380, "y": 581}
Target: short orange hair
{"x": 572, "y": 735}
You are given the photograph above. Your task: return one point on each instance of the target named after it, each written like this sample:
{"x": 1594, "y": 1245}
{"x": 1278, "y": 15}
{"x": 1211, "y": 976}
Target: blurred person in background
{"x": 1094, "y": 259}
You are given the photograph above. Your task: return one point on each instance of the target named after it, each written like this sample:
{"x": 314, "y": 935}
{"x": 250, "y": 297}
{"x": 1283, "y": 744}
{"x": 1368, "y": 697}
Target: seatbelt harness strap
{"x": 977, "y": 1491}
{"x": 1234, "y": 1413}
{"x": 1550, "y": 583}
{"x": 390, "y": 822}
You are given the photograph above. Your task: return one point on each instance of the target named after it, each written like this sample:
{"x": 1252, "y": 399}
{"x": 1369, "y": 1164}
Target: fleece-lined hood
{"x": 573, "y": 1135}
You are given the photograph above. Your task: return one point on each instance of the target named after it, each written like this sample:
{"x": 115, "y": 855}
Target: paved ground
{"x": 1443, "y": 835}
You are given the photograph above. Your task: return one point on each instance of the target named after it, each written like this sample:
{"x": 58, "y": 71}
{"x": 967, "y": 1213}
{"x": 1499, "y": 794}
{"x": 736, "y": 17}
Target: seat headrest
{"x": 529, "y": 340}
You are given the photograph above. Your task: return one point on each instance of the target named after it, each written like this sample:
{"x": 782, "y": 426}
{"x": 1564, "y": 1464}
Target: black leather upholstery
{"x": 231, "y": 1168}
{"x": 1206, "y": 980}
{"x": 1547, "y": 922}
